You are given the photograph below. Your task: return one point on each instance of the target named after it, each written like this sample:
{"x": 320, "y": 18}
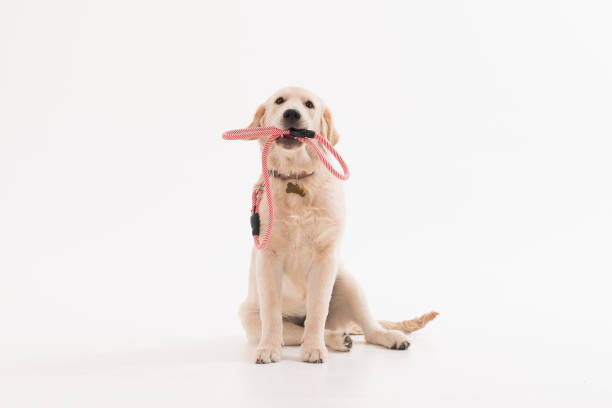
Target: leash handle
{"x": 274, "y": 133}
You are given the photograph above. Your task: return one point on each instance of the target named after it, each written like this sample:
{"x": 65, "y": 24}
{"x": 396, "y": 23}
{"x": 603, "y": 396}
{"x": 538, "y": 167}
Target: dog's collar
{"x": 291, "y": 176}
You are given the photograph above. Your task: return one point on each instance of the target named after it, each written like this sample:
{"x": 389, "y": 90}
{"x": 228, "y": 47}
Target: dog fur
{"x": 299, "y": 293}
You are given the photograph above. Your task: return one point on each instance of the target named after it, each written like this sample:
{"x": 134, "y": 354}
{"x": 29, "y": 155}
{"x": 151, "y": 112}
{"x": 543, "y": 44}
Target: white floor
{"x": 440, "y": 369}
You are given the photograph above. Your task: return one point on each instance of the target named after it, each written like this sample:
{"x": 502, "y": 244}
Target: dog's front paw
{"x": 265, "y": 354}
{"x": 313, "y": 353}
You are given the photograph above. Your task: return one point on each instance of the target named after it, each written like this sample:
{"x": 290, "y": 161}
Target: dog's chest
{"x": 306, "y": 223}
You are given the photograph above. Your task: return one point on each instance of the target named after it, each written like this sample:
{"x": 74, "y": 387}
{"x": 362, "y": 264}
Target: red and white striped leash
{"x": 274, "y": 133}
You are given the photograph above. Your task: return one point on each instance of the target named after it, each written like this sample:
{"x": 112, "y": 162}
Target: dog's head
{"x": 294, "y": 107}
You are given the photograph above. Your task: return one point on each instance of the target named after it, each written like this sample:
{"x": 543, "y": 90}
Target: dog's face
{"x": 294, "y": 107}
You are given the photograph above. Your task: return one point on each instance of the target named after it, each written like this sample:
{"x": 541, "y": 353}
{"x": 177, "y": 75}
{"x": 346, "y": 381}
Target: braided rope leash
{"x": 272, "y": 134}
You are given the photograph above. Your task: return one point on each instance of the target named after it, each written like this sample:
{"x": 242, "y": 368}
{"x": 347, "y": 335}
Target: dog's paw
{"x": 313, "y": 353}
{"x": 338, "y": 340}
{"x": 265, "y": 354}
{"x": 392, "y": 339}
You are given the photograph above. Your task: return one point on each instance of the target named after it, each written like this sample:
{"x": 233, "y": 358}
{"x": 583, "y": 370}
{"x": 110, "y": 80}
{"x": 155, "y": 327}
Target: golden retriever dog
{"x": 299, "y": 293}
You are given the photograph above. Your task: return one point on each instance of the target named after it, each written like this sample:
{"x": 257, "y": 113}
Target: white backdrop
{"x": 488, "y": 123}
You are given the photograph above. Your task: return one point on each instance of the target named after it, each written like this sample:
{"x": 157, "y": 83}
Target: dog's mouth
{"x": 289, "y": 142}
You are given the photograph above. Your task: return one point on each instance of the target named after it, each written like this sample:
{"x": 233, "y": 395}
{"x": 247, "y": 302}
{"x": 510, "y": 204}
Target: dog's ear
{"x": 258, "y": 118}
{"x": 328, "y": 128}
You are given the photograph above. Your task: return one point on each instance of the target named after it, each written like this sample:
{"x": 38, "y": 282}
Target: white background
{"x": 478, "y": 137}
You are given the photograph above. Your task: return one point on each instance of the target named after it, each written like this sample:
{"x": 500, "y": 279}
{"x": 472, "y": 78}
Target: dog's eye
{"x": 280, "y": 100}
{"x": 309, "y": 105}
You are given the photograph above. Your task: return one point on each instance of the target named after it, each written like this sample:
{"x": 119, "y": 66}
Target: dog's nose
{"x": 291, "y": 115}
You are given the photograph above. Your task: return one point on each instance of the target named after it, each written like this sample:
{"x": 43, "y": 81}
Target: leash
{"x": 273, "y": 133}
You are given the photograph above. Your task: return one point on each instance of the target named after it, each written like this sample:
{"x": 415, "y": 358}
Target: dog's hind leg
{"x": 348, "y": 304}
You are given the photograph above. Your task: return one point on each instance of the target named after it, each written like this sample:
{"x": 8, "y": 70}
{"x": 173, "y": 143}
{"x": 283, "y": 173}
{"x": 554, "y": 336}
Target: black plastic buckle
{"x": 255, "y": 223}
{"x": 302, "y": 133}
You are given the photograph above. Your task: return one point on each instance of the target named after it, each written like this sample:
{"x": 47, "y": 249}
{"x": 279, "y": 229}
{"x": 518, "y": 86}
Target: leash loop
{"x": 274, "y": 133}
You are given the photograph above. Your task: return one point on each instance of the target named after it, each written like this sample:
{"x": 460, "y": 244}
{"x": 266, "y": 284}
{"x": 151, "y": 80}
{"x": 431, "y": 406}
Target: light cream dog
{"x": 299, "y": 294}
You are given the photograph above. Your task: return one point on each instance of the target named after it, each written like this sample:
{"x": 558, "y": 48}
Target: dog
{"x": 299, "y": 293}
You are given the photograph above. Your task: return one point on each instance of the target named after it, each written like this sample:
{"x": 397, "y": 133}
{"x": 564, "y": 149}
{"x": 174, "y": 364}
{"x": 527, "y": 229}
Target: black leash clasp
{"x": 302, "y": 133}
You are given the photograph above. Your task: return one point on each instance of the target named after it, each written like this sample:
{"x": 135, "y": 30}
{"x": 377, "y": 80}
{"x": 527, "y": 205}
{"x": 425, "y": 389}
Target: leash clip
{"x": 302, "y": 133}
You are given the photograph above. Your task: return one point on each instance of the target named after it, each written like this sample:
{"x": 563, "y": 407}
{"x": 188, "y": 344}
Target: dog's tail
{"x": 407, "y": 326}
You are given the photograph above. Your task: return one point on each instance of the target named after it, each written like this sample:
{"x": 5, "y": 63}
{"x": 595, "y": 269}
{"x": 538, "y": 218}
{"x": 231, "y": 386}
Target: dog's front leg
{"x": 320, "y": 285}
{"x": 269, "y": 281}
